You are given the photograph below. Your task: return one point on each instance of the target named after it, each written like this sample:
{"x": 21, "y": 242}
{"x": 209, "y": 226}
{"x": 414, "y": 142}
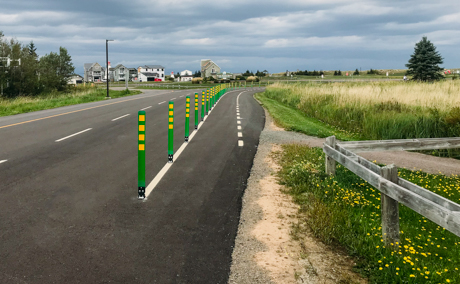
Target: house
{"x": 119, "y": 73}
{"x": 225, "y": 76}
{"x": 150, "y": 73}
{"x": 94, "y": 72}
{"x": 132, "y": 74}
{"x": 186, "y": 76}
{"x": 75, "y": 79}
{"x": 209, "y": 68}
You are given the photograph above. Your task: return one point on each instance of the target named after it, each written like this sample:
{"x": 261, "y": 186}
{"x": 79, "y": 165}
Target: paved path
{"x": 68, "y": 194}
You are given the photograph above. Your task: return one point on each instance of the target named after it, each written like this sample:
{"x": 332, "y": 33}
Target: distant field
{"x": 378, "y": 110}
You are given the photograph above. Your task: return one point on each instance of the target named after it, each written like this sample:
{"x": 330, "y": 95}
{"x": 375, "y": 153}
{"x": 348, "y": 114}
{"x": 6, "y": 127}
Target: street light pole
{"x": 107, "y": 64}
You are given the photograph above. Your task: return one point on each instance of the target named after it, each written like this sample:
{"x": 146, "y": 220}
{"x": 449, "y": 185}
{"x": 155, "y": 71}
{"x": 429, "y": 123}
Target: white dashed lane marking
{"x": 161, "y": 103}
{"x": 2, "y": 161}
{"x": 240, "y": 143}
{"x": 240, "y": 134}
{"x": 146, "y": 108}
{"x": 120, "y": 117}
{"x": 239, "y": 127}
{"x": 73, "y": 134}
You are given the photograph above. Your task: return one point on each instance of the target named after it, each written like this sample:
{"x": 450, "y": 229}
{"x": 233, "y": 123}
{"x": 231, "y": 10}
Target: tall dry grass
{"x": 378, "y": 110}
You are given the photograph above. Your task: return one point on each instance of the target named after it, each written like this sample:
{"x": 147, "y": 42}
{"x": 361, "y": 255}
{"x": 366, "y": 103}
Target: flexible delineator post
{"x": 187, "y": 118}
{"x": 203, "y": 98}
{"x": 196, "y": 110}
{"x": 141, "y": 156}
{"x": 171, "y": 133}
{"x": 207, "y": 101}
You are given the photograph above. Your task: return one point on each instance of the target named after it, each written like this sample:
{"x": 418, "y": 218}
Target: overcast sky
{"x": 238, "y": 34}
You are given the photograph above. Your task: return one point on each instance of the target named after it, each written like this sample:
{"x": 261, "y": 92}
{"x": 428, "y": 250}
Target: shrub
{"x": 197, "y": 80}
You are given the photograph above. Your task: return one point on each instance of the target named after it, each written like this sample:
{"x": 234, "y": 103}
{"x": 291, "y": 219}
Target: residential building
{"x": 225, "y": 76}
{"x": 150, "y": 73}
{"x": 94, "y": 72}
{"x": 75, "y": 79}
{"x": 132, "y": 74}
{"x": 209, "y": 68}
{"x": 186, "y": 76}
{"x": 119, "y": 73}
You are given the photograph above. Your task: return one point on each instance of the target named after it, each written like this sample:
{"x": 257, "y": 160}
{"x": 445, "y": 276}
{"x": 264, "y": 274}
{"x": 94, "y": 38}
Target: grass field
{"x": 47, "y": 101}
{"x": 378, "y": 110}
{"x": 345, "y": 211}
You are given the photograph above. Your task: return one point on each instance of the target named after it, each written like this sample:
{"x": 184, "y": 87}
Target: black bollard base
{"x": 170, "y": 158}
{"x": 141, "y": 192}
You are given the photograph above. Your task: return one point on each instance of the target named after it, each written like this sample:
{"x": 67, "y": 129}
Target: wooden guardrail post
{"x": 390, "y": 209}
{"x": 330, "y": 162}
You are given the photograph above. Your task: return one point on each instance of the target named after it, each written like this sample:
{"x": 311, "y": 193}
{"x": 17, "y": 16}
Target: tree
{"x": 335, "y": 73}
{"x": 339, "y": 73}
{"x": 424, "y": 62}
{"x": 356, "y": 73}
{"x": 55, "y": 70}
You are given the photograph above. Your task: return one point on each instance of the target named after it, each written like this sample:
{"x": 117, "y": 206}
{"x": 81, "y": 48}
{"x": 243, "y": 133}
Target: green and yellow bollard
{"x": 203, "y": 98}
{"x": 141, "y": 156}
{"x": 196, "y": 110}
{"x": 187, "y": 118}
{"x": 171, "y": 133}
{"x": 207, "y": 101}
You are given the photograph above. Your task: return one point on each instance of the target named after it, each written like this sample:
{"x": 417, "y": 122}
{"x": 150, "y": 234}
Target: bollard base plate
{"x": 141, "y": 192}
{"x": 186, "y": 138}
{"x": 196, "y": 127}
{"x": 170, "y": 158}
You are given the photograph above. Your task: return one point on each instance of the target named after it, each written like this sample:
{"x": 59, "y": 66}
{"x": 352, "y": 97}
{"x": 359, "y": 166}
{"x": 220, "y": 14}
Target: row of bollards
{"x": 209, "y": 98}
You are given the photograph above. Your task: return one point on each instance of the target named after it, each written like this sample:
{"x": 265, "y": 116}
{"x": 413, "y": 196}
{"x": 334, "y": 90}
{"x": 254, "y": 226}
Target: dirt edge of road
{"x": 265, "y": 251}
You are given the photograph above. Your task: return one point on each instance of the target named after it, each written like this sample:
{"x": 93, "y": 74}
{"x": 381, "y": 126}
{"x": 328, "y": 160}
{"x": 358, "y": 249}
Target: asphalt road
{"x": 69, "y": 211}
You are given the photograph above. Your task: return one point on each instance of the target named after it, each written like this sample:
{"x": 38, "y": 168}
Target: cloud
{"x": 238, "y": 35}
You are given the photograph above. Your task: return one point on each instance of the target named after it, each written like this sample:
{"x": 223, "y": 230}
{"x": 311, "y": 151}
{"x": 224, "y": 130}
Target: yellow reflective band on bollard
{"x": 141, "y": 117}
{"x": 171, "y": 113}
{"x": 141, "y": 137}
{"x": 187, "y": 105}
{"x": 171, "y": 119}
{"x": 141, "y": 127}
{"x": 170, "y": 126}
{"x": 171, "y": 106}
{"x": 196, "y": 108}
{"x": 141, "y": 147}
{"x": 187, "y": 115}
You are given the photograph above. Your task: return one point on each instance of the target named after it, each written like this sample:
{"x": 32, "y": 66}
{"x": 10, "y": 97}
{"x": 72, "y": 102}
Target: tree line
{"x": 23, "y": 72}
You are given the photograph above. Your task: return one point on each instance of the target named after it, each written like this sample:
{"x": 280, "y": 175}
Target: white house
{"x": 186, "y": 76}
{"x": 75, "y": 79}
{"x": 150, "y": 73}
{"x": 209, "y": 68}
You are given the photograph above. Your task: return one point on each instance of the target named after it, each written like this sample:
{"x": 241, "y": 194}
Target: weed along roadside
{"x": 389, "y": 241}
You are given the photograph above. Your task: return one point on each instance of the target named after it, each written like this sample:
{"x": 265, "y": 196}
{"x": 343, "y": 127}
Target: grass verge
{"x": 29, "y": 104}
{"x": 295, "y": 120}
{"x": 345, "y": 211}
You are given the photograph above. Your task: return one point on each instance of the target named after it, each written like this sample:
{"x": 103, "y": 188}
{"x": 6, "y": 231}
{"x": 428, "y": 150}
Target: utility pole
{"x": 107, "y": 64}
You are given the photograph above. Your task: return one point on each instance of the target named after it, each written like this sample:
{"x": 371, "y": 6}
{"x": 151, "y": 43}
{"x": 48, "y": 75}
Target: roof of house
{"x": 153, "y": 66}
{"x": 119, "y": 66}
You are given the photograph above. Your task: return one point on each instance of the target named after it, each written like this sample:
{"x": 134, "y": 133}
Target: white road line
{"x": 238, "y": 117}
{"x": 73, "y": 135}
{"x": 2, "y": 161}
{"x": 180, "y": 96}
{"x": 238, "y": 99}
{"x": 240, "y": 143}
{"x": 161, "y": 103}
{"x": 239, "y": 122}
{"x": 146, "y": 108}
{"x": 173, "y": 99}
{"x": 166, "y": 167}
{"x": 240, "y": 134}
{"x": 239, "y": 127}
{"x": 120, "y": 117}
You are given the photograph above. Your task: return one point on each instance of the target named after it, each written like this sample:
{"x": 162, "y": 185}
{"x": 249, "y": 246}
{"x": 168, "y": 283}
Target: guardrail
{"x": 394, "y": 189}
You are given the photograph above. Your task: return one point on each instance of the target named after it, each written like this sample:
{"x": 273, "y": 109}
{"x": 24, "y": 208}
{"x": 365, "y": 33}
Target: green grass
{"x": 48, "y": 101}
{"x": 345, "y": 211}
{"x": 295, "y": 120}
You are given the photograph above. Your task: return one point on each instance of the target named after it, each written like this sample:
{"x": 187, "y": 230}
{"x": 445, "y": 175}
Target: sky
{"x": 238, "y": 35}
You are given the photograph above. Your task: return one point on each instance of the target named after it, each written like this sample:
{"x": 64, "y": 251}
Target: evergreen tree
{"x": 356, "y": 72}
{"x": 339, "y": 73}
{"x": 424, "y": 62}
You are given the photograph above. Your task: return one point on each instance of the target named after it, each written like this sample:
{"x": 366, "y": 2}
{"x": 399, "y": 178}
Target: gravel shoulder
{"x": 264, "y": 249}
